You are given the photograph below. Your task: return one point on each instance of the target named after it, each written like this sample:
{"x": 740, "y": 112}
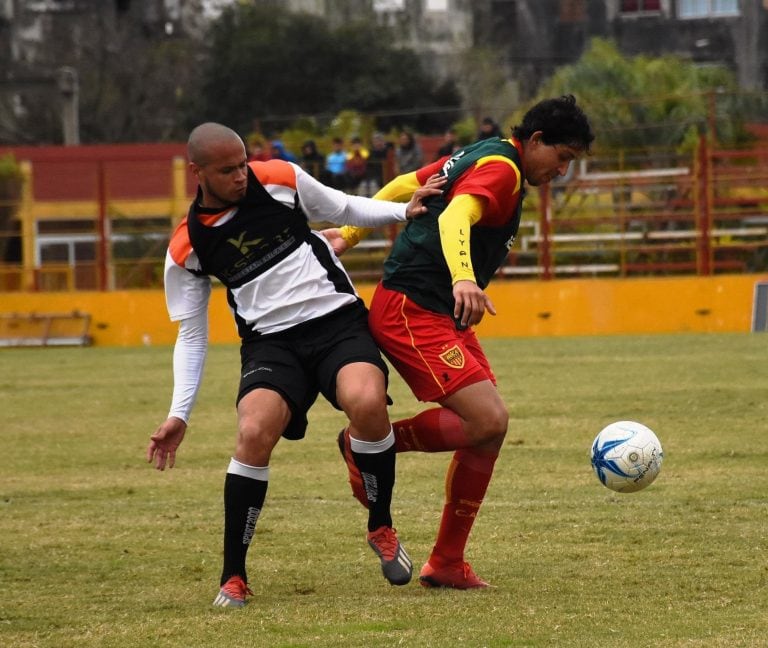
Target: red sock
{"x": 434, "y": 430}
{"x": 465, "y": 484}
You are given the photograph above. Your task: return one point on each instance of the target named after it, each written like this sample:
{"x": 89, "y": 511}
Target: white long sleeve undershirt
{"x": 189, "y": 355}
{"x": 322, "y": 203}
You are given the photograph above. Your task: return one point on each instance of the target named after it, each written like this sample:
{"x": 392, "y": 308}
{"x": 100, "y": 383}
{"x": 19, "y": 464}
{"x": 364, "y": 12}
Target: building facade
{"x": 537, "y": 36}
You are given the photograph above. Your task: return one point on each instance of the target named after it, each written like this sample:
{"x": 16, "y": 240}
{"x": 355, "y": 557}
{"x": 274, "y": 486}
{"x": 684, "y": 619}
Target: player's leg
{"x": 473, "y": 422}
{"x": 435, "y": 360}
{"x": 361, "y": 393}
{"x": 272, "y": 400}
{"x": 466, "y": 483}
{"x": 447, "y": 366}
{"x": 353, "y": 376}
{"x": 262, "y": 416}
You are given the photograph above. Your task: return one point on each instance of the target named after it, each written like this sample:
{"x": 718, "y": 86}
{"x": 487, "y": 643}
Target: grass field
{"x": 98, "y": 549}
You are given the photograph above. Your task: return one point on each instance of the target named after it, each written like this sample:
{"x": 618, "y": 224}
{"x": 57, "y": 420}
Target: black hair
{"x": 560, "y": 121}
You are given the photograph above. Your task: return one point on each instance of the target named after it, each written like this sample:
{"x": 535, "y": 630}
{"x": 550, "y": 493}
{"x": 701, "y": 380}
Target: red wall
{"x": 74, "y": 172}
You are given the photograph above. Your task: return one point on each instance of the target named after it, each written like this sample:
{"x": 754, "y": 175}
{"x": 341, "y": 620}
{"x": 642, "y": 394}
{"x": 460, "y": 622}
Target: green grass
{"x": 98, "y": 549}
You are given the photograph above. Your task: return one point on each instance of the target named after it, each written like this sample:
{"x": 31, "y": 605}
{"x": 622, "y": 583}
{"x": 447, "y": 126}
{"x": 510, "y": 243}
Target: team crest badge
{"x": 453, "y": 357}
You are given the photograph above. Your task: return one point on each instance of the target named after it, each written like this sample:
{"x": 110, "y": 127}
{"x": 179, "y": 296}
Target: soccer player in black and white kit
{"x": 303, "y": 327}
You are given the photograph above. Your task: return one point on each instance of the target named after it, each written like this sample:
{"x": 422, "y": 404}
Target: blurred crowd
{"x": 362, "y": 167}
{"x": 352, "y": 165}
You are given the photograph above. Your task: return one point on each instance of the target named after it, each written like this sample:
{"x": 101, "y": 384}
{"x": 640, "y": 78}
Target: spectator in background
{"x": 256, "y": 150}
{"x": 408, "y": 156}
{"x": 488, "y": 128}
{"x": 357, "y": 164}
{"x": 450, "y": 144}
{"x": 312, "y": 161}
{"x": 379, "y": 158}
{"x": 279, "y": 152}
{"x": 336, "y": 165}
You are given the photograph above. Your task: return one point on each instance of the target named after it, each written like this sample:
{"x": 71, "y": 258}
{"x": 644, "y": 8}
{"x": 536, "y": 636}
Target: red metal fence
{"x": 661, "y": 214}
{"x": 99, "y": 218}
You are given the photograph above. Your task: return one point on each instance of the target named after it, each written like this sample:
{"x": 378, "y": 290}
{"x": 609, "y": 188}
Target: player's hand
{"x": 471, "y": 303}
{"x": 432, "y": 187}
{"x": 164, "y": 442}
{"x": 334, "y": 237}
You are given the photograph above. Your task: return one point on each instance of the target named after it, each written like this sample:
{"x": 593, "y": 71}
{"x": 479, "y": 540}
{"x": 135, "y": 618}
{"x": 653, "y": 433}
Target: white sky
{"x": 213, "y": 7}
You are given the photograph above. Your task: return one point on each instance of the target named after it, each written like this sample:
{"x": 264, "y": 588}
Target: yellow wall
{"x": 525, "y": 308}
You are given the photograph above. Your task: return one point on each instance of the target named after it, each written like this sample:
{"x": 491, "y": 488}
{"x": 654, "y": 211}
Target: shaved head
{"x": 206, "y": 139}
{"x": 217, "y": 159}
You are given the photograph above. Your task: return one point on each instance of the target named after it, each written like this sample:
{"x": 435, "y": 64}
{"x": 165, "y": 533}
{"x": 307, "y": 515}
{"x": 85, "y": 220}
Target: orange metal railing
{"x": 614, "y": 216}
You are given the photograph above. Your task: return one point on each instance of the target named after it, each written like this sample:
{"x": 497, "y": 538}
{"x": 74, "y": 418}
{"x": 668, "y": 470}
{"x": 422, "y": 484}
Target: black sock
{"x": 243, "y": 500}
{"x": 378, "y": 473}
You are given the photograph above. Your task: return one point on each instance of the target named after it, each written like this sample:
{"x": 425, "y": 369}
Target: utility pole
{"x": 69, "y": 88}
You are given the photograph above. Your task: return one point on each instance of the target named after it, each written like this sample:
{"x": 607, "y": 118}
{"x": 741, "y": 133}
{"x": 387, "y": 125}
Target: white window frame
{"x": 696, "y": 9}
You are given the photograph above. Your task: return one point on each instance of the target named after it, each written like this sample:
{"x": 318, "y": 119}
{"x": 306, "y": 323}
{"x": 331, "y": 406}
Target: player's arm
{"x": 400, "y": 189}
{"x": 187, "y": 298}
{"x": 455, "y": 225}
{"x": 189, "y": 355}
{"x": 322, "y": 203}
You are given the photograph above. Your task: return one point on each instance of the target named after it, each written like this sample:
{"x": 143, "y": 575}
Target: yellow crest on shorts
{"x": 453, "y": 357}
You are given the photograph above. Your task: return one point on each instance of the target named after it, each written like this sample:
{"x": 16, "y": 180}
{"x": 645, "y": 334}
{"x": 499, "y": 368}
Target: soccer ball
{"x": 626, "y": 456}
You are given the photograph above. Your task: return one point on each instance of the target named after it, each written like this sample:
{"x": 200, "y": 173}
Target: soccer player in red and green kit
{"x": 432, "y": 294}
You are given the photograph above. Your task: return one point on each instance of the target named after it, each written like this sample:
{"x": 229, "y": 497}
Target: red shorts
{"x": 426, "y": 349}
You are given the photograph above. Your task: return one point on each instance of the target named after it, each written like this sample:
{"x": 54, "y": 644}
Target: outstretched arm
{"x": 188, "y": 362}
{"x": 402, "y": 188}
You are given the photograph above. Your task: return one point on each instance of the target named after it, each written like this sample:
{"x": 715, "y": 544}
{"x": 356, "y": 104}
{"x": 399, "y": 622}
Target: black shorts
{"x": 303, "y": 362}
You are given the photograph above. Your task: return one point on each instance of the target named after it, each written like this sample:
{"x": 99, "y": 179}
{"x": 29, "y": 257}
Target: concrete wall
{"x": 525, "y": 308}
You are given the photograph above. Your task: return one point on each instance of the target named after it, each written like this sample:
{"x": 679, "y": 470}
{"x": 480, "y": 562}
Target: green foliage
{"x": 266, "y": 65}
{"x": 485, "y": 86}
{"x": 642, "y": 102}
{"x": 346, "y": 124}
{"x": 11, "y": 179}
{"x": 466, "y": 130}
{"x": 101, "y": 550}
{"x": 10, "y": 171}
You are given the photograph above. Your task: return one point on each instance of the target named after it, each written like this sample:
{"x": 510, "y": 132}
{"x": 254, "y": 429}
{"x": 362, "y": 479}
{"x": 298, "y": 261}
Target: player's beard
{"x": 223, "y": 201}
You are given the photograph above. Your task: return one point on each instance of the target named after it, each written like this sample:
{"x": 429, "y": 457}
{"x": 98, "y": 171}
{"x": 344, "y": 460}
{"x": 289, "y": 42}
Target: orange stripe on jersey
{"x": 274, "y": 172}
{"x": 180, "y": 245}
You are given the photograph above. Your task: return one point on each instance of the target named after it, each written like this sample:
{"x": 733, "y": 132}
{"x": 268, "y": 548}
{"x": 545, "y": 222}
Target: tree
{"x": 485, "y": 85}
{"x": 11, "y": 179}
{"x": 265, "y": 64}
{"x": 642, "y": 102}
{"x": 136, "y": 81}
{"x": 133, "y": 64}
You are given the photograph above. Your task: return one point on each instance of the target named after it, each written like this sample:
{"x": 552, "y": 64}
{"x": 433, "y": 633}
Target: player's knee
{"x": 369, "y": 407}
{"x": 491, "y": 427}
{"x": 256, "y": 441}
{"x": 363, "y": 399}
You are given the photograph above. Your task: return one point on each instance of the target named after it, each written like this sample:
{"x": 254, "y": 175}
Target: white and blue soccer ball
{"x": 626, "y": 456}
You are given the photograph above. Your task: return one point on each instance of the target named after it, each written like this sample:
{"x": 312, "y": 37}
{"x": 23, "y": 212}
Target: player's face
{"x": 224, "y": 179}
{"x": 545, "y": 162}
